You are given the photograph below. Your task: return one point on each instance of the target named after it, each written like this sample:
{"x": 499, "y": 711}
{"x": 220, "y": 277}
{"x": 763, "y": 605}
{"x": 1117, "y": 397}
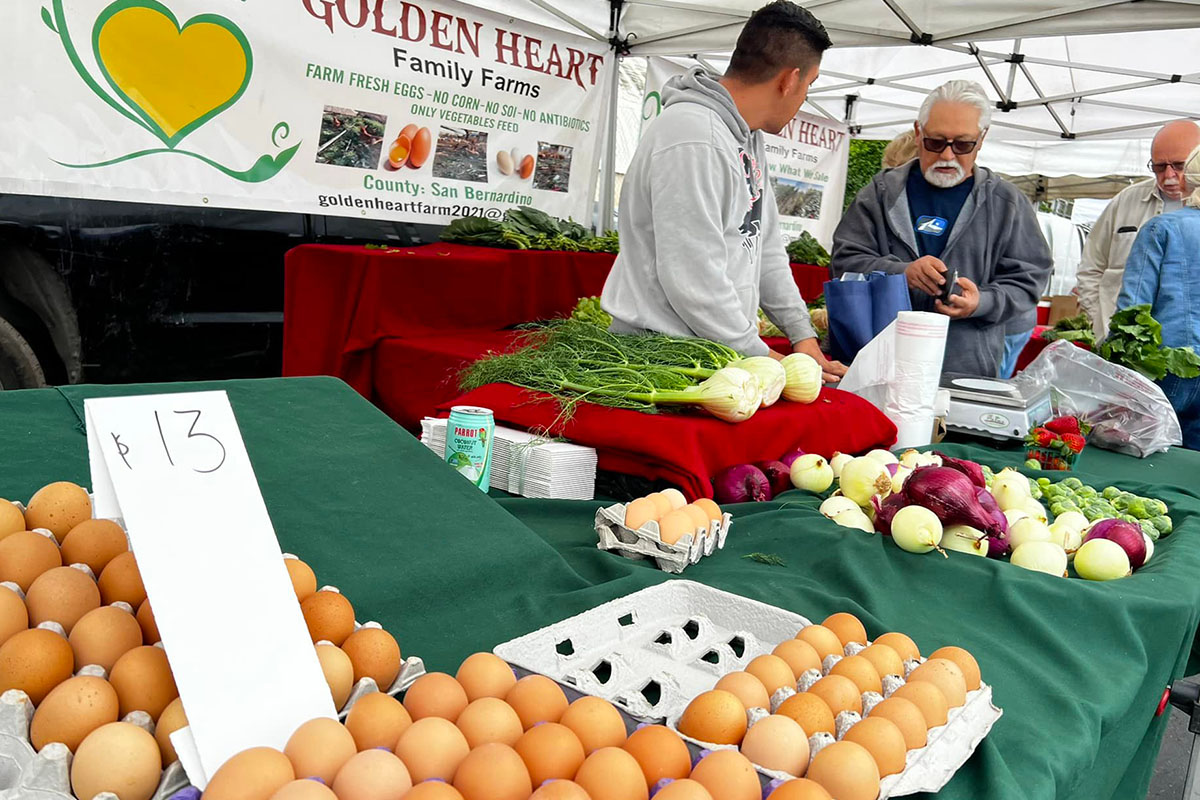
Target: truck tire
{"x": 19, "y": 366}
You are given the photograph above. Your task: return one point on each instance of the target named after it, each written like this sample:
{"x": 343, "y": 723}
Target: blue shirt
{"x": 1162, "y": 269}
{"x": 934, "y": 210}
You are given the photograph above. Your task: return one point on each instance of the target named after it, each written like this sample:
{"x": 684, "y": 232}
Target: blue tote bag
{"x": 859, "y": 307}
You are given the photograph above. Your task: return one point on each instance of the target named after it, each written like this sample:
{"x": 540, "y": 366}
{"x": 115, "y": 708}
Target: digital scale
{"x": 995, "y": 408}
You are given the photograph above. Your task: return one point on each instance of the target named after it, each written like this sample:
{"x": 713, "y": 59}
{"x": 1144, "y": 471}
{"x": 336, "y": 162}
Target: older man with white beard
{"x": 942, "y": 214}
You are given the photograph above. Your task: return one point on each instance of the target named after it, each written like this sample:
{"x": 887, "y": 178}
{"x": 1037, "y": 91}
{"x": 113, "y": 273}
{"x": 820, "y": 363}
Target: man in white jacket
{"x": 701, "y": 249}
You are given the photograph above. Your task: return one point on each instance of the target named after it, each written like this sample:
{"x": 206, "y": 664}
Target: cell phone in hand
{"x": 950, "y": 287}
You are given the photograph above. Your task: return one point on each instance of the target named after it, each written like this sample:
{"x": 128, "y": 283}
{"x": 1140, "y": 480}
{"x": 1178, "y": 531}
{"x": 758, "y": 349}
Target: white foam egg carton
{"x": 652, "y": 651}
{"x": 646, "y": 542}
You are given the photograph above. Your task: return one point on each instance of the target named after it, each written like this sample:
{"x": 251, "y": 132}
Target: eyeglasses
{"x": 938, "y": 145}
{"x": 1160, "y": 167}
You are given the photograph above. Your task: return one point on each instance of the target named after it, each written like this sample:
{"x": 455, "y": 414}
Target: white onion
{"x": 1010, "y": 488}
{"x": 1042, "y": 557}
{"x": 1066, "y": 535}
{"x": 1072, "y": 519}
{"x": 1013, "y": 516}
{"x": 965, "y": 539}
{"x": 1035, "y": 509}
{"x": 838, "y": 461}
{"x": 884, "y": 457}
{"x": 863, "y": 478}
{"x": 811, "y": 473}
{"x": 909, "y": 458}
{"x": 1028, "y": 530}
{"x": 898, "y": 479}
{"x": 836, "y": 505}
{"x": 1149, "y": 548}
{"x": 1101, "y": 560}
{"x": 916, "y": 529}
{"x": 854, "y": 518}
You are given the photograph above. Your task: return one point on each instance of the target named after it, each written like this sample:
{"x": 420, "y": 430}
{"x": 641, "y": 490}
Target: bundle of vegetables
{"x": 588, "y": 310}
{"x": 1135, "y": 341}
{"x": 1073, "y": 329}
{"x": 528, "y": 228}
{"x": 807, "y": 250}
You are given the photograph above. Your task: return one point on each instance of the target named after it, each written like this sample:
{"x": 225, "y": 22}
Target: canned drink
{"x": 469, "y": 434}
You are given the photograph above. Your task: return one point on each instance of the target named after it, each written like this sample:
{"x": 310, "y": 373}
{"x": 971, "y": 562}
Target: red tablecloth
{"x": 688, "y": 449}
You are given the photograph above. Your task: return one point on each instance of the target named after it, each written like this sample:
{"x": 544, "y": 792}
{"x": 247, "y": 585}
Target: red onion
{"x": 742, "y": 484}
{"x": 778, "y": 474}
{"x": 951, "y": 496}
{"x": 886, "y": 509}
{"x": 997, "y": 541}
{"x": 791, "y": 456}
{"x": 1126, "y": 534}
{"x": 968, "y": 468}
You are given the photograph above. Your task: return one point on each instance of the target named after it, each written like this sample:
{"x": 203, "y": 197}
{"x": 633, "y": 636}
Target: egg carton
{"x": 651, "y": 652}
{"x": 646, "y": 542}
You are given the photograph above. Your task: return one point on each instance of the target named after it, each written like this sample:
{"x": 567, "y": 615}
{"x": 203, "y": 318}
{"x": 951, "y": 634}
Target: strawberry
{"x": 1064, "y": 425}
{"x": 1074, "y": 441}
{"x": 1043, "y": 437}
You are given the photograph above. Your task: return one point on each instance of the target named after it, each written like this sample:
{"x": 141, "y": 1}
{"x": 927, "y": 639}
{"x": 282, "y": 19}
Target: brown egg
{"x": 716, "y": 716}
{"x": 487, "y": 720}
{"x": 14, "y": 617}
{"x": 810, "y": 711}
{"x": 861, "y": 671}
{"x": 119, "y": 758}
{"x": 596, "y": 722}
{"x": 685, "y": 789}
{"x": 149, "y": 626}
{"x": 103, "y": 635}
{"x": 839, "y": 693}
{"x": 304, "y": 580}
{"x": 319, "y": 748}
{"x": 779, "y": 743}
{"x": 823, "y": 640}
{"x": 905, "y": 647}
{"x": 847, "y": 771}
{"x": 485, "y": 675}
{"x": 550, "y": 750}
{"x": 886, "y": 660}
{"x": 329, "y": 617}
{"x": 143, "y": 680}
{"x": 728, "y": 775}
{"x": 847, "y": 627}
{"x": 35, "y": 661}
{"x": 339, "y": 673}
{"x": 800, "y": 656}
{"x": 433, "y": 790}
{"x": 375, "y": 655}
{"x": 748, "y": 688}
{"x": 610, "y": 773}
{"x": 906, "y": 717}
{"x": 377, "y": 720}
{"x": 121, "y": 580}
{"x": 172, "y": 719}
{"x": 660, "y": 753}
{"x": 883, "y": 740}
{"x": 965, "y": 661}
{"x": 58, "y": 507}
{"x": 945, "y": 675}
{"x": 305, "y": 789}
{"x": 435, "y": 694}
{"x": 554, "y": 790}
{"x": 372, "y": 775}
{"x": 62, "y": 595}
{"x": 11, "y": 518}
{"x": 928, "y": 698}
{"x": 72, "y": 710}
{"x": 252, "y": 774}
{"x": 25, "y": 555}
{"x": 773, "y": 671}
{"x": 800, "y": 789}
{"x": 493, "y": 772}
{"x": 432, "y": 748}
{"x": 94, "y": 542}
{"x": 536, "y": 699}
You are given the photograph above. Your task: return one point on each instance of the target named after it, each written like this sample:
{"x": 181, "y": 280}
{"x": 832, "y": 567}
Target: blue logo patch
{"x": 932, "y": 226}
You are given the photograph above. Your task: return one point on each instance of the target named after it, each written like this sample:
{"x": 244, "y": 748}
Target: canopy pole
{"x": 608, "y": 178}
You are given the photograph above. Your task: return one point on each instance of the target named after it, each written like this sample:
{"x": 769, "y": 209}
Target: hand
{"x": 925, "y": 274}
{"x": 960, "y": 305}
{"x": 831, "y": 371}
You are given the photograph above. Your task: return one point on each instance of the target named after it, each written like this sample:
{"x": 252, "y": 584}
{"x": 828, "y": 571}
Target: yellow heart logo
{"x": 176, "y": 77}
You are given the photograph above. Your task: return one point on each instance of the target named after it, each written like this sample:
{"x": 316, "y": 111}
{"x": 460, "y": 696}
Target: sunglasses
{"x": 938, "y": 145}
{"x": 1160, "y": 167}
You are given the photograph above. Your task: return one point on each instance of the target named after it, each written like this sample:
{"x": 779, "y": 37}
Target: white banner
{"x": 807, "y": 162}
{"x": 419, "y": 111}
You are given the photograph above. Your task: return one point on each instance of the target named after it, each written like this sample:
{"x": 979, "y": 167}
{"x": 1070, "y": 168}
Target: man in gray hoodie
{"x": 942, "y": 214}
{"x": 701, "y": 249}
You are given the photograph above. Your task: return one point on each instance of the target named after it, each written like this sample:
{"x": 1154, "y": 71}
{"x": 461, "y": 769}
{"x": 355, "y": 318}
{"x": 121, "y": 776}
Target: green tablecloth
{"x": 1078, "y": 667}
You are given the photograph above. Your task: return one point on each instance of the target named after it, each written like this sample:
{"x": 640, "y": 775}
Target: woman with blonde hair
{"x": 1163, "y": 269}
{"x": 900, "y": 150}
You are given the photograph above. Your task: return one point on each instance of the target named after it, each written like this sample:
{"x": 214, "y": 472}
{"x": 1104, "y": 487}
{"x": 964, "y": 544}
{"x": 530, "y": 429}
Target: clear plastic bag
{"x": 1128, "y": 412}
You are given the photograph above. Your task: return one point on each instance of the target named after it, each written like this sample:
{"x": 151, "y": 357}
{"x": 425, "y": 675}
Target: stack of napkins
{"x": 528, "y": 465}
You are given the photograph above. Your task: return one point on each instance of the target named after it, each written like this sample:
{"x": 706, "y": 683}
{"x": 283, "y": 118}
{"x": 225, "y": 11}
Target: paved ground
{"x": 1171, "y": 769}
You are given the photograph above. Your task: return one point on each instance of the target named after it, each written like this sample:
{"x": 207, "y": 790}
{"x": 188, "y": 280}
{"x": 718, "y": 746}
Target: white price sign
{"x": 174, "y": 466}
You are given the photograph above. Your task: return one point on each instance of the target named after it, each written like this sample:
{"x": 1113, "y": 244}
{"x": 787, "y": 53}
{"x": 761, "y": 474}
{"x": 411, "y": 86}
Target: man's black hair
{"x": 778, "y": 36}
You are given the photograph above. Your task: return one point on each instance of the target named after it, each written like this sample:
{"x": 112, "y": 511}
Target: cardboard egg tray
{"x": 651, "y": 652}
{"x": 646, "y": 543}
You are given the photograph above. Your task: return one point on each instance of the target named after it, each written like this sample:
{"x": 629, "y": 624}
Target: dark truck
{"x": 113, "y": 292}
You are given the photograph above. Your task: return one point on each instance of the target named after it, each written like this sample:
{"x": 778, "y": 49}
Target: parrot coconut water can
{"x": 469, "y": 434}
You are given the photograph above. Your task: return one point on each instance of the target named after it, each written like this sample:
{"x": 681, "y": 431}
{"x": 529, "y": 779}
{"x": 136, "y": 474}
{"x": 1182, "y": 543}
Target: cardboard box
{"x": 1063, "y": 307}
